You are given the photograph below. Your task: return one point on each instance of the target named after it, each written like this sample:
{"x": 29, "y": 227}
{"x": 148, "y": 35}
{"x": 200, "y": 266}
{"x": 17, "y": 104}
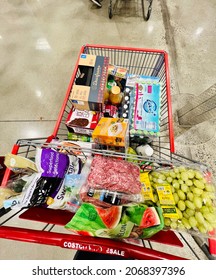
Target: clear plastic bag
{"x": 112, "y": 182}
{"x": 187, "y": 197}
{"x": 14, "y": 186}
{"x": 19, "y": 164}
{"x": 126, "y": 221}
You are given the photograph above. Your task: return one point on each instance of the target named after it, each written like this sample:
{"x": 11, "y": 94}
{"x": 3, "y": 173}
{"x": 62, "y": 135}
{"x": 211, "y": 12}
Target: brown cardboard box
{"x": 88, "y": 91}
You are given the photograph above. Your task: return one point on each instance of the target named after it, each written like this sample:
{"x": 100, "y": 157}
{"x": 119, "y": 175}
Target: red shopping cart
{"x": 141, "y": 62}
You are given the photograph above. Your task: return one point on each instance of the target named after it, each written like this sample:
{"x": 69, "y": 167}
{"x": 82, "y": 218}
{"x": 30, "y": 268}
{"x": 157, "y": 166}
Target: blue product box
{"x": 145, "y": 119}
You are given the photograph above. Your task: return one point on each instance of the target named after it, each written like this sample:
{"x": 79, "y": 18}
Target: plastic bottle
{"x": 113, "y": 197}
{"x": 116, "y": 95}
{"x": 145, "y": 150}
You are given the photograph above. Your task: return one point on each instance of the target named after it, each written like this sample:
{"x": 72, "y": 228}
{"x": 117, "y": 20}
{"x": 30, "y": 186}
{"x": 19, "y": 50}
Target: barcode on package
{"x": 160, "y": 188}
{"x": 146, "y": 125}
{"x": 150, "y": 125}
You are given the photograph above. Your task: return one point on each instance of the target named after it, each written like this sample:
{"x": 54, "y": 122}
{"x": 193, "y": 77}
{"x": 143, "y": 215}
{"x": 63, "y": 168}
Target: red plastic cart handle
{"x": 76, "y": 242}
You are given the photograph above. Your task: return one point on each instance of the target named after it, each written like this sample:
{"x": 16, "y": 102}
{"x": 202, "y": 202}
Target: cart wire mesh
{"x": 138, "y": 62}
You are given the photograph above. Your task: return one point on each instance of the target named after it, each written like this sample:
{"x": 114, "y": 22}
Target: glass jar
{"x": 115, "y": 96}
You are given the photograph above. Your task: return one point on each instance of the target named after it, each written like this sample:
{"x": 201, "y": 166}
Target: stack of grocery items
{"x": 103, "y": 192}
{"x": 112, "y": 198}
{"x": 111, "y": 106}
{"x": 96, "y": 96}
{"x": 87, "y": 97}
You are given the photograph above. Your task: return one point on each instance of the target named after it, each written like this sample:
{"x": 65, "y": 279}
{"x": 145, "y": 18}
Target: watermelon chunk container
{"x": 117, "y": 222}
{"x": 47, "y": 226}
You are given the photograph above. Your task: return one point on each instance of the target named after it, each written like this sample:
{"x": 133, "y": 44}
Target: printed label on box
{"x": 82, "y": 121}
{"x": 90, "y": 83}
{"x": 147, "y": 107}
{"x": 111, "y": 131}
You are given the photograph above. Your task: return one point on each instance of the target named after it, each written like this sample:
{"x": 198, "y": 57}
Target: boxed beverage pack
{"x": 88, "y": 91}
{"x": 111, "y": 131}
{"x": 145, "y": 109}
{"x": 129, "y": 92}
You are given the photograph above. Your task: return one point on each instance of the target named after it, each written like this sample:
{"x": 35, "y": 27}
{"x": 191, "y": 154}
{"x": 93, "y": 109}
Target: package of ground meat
{"x": 111, "y": 182}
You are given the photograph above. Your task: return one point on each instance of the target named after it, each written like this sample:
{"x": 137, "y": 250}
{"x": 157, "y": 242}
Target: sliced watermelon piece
{"x": 110, "y": 216}
{"x": 83, "y": 232}
{"x": 150, "y": 218}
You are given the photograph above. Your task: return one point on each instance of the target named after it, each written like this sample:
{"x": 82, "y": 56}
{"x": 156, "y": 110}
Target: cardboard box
{"x": 82, "y": 121}
{"x": 110, "y": 111}
{"x": 78, "y": 148}
{"x": 117, "y": 71}
{"x": 111, "y": 132}
{"x": 116, "y": 77}
{"x": 88, "y": 91}
{"x": 145, "y": 110}
{"x": 114, "y": 149}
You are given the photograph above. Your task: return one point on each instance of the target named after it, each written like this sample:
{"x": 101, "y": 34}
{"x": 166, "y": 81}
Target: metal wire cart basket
{"x": 20, "y": 224}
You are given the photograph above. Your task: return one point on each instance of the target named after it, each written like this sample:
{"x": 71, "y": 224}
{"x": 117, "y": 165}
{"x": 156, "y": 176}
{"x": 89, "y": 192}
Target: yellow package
{"x": 167, "y": 201}
{"x": 16, "y": 162}
{"x": 146, "y": 191}
{"x": 111, "y": 131}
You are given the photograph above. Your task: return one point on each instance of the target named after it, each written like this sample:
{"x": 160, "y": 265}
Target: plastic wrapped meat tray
{"x": 113, "y": 175}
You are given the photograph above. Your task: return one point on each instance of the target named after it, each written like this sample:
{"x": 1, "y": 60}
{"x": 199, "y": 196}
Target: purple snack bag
{"x": 52, "y": 163}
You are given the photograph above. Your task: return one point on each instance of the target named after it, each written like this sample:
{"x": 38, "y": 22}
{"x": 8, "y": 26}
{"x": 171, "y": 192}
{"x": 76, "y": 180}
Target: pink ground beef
{"x": 114, "y": 175}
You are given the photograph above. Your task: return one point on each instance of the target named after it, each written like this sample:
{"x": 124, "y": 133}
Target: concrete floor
{"x": 39, "y": 43}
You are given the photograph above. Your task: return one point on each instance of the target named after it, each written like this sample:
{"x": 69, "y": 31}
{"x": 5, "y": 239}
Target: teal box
{"x": 146, "y": 109}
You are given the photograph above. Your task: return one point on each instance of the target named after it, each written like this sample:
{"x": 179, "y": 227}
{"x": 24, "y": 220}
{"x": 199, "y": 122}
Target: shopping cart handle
{"x": 92, "y": 244}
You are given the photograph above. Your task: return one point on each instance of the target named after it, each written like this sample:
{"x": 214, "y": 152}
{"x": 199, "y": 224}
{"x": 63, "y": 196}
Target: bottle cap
{"x": 115, "y": 90}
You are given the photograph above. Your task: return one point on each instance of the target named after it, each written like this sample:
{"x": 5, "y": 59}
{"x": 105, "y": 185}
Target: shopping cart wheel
{"x": 146, "y": 9}
{"x": 110, "y": 12}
